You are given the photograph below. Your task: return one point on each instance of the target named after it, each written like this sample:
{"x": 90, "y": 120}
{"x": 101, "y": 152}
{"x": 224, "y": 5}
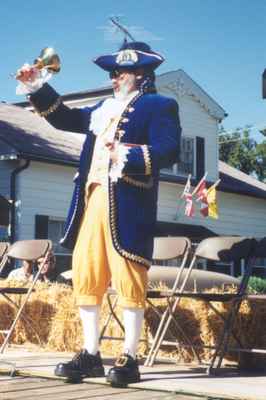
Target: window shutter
{"x": 41, "y": 226}
{"x": 5, "y": 208}
{"x": 200, "y": 157}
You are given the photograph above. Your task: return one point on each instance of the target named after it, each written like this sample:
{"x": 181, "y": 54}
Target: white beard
{"x": 126, "y": 88}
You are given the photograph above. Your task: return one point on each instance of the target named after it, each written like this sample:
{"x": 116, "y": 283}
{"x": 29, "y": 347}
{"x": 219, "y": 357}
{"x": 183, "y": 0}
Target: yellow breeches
{"x": 96, "y": 262}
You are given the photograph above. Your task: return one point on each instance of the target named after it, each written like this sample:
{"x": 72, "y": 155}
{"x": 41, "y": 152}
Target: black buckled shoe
{"x": 81, "y": 366}
{"x": 125, "y": 371}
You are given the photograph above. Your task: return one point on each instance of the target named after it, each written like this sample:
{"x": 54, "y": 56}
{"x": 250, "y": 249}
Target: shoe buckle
{"x": 121, "y": 361}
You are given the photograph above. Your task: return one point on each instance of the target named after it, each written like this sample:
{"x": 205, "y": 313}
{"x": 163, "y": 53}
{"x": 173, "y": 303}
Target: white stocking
{"x": 133, "y": 318}
{"x": 90, "y": 316}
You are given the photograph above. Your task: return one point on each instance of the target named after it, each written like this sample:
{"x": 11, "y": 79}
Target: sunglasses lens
{"x": 117, "y": 72}
{"x": 113, "y": 74}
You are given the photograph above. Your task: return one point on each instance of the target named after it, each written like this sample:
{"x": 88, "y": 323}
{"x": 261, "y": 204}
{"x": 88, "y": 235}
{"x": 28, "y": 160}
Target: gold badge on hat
{"x": 127, "y": 57}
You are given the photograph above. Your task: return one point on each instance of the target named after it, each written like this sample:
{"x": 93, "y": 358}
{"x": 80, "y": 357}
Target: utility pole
{"x": 264, "y": 84}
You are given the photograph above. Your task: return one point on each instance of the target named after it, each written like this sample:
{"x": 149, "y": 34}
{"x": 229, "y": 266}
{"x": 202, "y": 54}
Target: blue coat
{"x": 151, "y": 121}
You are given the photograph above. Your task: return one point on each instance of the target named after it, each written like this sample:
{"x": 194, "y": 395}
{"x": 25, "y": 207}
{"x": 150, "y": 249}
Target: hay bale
{"x": 35, "y": 323}
{"x": 203, "y": 327}
{"x": 66, "y": 330}
{"x": 55, "y": 324}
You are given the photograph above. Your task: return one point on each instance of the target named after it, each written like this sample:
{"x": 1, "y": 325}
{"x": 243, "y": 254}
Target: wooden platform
{"x": 48, "y": 389}
{"x": 165, "y": 381}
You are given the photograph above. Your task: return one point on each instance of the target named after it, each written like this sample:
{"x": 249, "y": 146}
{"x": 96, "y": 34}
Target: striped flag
{"x": 201, "y": 194}
{"x": 201, "y": 191}
{"x": 187, "y": 186}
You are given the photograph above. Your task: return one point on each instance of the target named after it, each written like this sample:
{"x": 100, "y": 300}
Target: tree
{"x": 261, "y": 161}
{"x": 239, "y": 150}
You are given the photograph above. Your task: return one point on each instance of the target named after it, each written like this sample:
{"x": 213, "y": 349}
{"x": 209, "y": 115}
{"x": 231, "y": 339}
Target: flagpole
{"x": 200, "y": 182}
{"x": 178, "y": 207}
{"x": 215, "y": 184}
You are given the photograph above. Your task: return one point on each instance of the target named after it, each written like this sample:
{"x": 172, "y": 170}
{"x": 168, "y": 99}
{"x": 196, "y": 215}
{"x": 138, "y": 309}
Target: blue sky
{"x": 221, "y": 45}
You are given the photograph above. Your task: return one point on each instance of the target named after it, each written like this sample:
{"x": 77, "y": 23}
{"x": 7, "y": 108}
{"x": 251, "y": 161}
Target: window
{"x": 175, "y": 262}
{"x": 55, "y": 233}
{"x": 187, "y": 157}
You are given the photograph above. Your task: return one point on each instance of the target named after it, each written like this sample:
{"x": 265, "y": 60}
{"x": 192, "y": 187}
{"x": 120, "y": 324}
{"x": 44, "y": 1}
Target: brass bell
{"x": 49, "y": 60}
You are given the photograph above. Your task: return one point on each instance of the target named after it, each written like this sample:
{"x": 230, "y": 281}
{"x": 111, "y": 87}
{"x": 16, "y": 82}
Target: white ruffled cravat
{"x": 103, "y": 124}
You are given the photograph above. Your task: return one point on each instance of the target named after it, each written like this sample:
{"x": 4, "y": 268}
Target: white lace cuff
{"x": 117, "y": 168}
{"x": 32, "y": 86}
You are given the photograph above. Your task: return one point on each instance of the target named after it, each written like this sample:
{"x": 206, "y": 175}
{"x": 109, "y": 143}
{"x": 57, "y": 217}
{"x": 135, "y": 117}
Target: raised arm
{"x": 48, "y": 104}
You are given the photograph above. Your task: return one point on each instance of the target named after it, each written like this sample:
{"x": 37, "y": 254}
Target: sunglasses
{"x": 116, "y": 73}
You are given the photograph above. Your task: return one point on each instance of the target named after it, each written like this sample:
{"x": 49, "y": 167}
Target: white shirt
{"x": 103, "y": 124}
{"x": 18, "y": 274}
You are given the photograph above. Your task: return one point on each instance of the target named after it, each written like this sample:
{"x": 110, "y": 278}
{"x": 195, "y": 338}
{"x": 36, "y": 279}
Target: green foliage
{"x": 239, "y": 150}
{"x": 261, "y": 160}
{"x": 257, "y": 285}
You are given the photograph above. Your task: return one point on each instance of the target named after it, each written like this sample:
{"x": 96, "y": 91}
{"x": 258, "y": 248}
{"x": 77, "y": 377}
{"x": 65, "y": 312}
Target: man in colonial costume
{"x": 112, "y": 216}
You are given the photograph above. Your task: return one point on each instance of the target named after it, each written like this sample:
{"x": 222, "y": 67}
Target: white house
{"x": 38, "y": 162}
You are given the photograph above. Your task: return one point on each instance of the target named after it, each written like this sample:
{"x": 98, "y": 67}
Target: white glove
{"x": 31, "y": 79}
{"x": 119, "y": 160}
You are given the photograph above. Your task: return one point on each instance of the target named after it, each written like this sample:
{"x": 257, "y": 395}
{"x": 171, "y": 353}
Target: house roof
{"x": 182, "y": 84}
{"x": 194, "y": 232}
{"x": 178, "y": 82}
{"x": 24, "y": 134}
{"x": 235, "y": 181}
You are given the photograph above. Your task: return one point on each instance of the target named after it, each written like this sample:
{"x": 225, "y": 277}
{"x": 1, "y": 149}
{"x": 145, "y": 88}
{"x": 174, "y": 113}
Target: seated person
{"x": 29, "y": 269}
{"x": 48, "y": 271}
{"x": 24, "y": 273}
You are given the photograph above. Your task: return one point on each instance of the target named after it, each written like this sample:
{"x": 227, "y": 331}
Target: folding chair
{"x": 3, "y": 250}
{"x": 225, "y": 249}
{"x": 29, "y": 250}
{"x": 259, "y": 251}
{"x": 4, "y": 246}
{"x": 165, "y": 248}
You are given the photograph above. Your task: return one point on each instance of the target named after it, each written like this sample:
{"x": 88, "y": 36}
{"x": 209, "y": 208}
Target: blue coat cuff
{"x": 138, "y": 161}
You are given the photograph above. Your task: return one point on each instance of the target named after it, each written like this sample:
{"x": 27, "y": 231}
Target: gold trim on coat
{"x": 140, "y": 184}
{"x": 112, "y": 207}
{"x": 147, "y": 159}
{"x": 120, "y": 250}
{"x": 51, "y": 109}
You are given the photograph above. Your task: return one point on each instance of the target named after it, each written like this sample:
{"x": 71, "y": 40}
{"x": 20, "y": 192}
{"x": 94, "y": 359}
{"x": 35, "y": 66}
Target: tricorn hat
{"x": 131, "y": 55}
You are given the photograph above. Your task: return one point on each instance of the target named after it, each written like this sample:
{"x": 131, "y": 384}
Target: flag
{"x": 189, "y": 209}
{"x": 212, "y": 202}
{"x": 187, "y": 187}
{"x": 201, "y": 191}
{"x": 204, "y": 207}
